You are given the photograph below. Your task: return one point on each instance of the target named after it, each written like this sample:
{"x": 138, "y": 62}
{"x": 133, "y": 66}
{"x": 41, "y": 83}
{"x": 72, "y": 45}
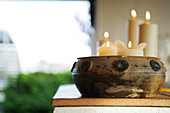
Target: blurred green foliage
{"x": 32, "y": 93}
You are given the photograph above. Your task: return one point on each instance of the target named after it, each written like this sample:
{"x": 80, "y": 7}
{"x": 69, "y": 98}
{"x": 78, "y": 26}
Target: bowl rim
{"x": 147, "y": 57}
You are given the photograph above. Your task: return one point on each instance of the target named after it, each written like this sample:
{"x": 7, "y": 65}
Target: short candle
{"x": 130, "y": 51}
{"x": 107, "y": 49}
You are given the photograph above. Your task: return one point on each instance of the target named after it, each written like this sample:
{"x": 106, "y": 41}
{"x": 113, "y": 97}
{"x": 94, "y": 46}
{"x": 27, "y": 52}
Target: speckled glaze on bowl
{"x": 118, "y": 76}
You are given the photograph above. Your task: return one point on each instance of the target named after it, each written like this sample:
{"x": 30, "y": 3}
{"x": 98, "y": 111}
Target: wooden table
{"x": 69, "y": 100}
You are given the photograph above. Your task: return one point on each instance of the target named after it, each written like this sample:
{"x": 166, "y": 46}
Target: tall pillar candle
{"x": 149, "y": 34}
{"x": 134, "y": 28}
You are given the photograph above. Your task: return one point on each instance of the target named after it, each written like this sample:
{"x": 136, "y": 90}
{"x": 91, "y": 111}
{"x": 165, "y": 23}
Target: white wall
{"x": 112, "y": 16}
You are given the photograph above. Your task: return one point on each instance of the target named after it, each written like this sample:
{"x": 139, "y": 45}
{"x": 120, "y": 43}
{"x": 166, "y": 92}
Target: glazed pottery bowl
{"x": 118, "y": 76}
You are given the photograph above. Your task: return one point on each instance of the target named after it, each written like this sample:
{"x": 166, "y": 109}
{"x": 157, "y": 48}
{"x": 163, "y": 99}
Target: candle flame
{"x": 107, "y": 44}
{"x": 130, "y": 44}
{"x": 133, "y": 13}
{"x": 148, "y": 16}
{"x": 106, "y": 35}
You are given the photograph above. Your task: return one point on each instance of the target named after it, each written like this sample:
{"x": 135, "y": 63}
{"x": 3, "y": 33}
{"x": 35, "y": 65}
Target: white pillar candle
{"x": 134, "y": 28}
{"x": 149, "y": 34}
{"x": 122, "y": 50}
{"x": 107, "y": 49}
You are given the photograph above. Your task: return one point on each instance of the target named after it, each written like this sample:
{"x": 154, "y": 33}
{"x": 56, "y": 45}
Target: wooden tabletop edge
{"x": 118, "y": 102}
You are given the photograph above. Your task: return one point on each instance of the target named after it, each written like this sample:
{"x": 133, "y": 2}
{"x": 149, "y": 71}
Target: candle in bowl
{"x": 130, "y": 44}
{"x": 122, "y": 50}
{"x": 107, "y": 49}
{"x": 133, "y": 28}
{"x": 105, "y": 39}
{"x": 149, "y": 34}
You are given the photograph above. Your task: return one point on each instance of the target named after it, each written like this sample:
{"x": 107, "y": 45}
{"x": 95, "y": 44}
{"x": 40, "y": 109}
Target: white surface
{"x": 111, "y": 110}
{"x": 70, "y": 89}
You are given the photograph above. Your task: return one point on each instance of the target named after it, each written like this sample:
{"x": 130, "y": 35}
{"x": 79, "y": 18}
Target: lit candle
{"x": 105, "y": 39}
{"x": 149, "y": 34}
{"x": 130, "y": 44}
{"x": 130, "y": 51}
{"x": 107, "y": 49}
{"x": 133, "y": 28}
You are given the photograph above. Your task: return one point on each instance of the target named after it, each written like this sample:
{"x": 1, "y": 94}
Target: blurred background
{"x": 39, "y": 42}
{"x": 41, "y": 39}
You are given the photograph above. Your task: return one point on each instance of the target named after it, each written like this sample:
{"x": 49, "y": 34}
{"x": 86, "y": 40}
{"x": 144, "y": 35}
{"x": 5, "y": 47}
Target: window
{"x": 48, "y": 35}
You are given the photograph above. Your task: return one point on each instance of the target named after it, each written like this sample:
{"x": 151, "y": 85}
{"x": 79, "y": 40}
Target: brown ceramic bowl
{"x": 118, "y": 76}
